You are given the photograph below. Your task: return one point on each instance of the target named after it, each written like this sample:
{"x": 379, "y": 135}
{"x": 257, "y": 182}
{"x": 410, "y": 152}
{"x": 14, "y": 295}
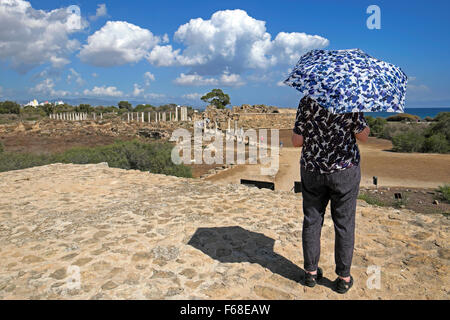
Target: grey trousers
{"x": 342, "y": 189}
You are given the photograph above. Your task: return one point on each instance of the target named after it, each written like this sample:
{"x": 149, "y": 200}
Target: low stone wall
{"x": 267, "y": 120}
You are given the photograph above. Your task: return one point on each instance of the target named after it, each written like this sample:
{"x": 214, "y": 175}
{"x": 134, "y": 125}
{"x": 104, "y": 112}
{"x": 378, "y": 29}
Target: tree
{"x": 84, "y": 108}
{"x": 144, "y": 108}
{"x": 48, "y": 109}
{"x": 9, "y": 107}
{"x": 217, "y": 98}
{"x": 125, "y": 105}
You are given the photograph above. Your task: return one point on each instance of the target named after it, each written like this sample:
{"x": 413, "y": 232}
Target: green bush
{"x": 445, "y": 192}
{"x": 393, "y": 129}
{"x": 441, "y": 125}
{"x": 154, "y": 157}
{"x": 9, "y": 107}
{"x": 16, "y": 161}
{"x": 144, "y": 108}
{"x": 410, "y": 141}
{"x": 437, "y": 143}
{"x": 403, "y": 117}
{"x": 377, "y": 125}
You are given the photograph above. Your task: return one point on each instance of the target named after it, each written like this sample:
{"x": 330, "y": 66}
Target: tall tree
{"x": 125, "y": 105}
{"x": 217, "y": 98}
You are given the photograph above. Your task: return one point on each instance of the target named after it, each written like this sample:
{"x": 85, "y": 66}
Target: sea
{"x": 421, "y": 112}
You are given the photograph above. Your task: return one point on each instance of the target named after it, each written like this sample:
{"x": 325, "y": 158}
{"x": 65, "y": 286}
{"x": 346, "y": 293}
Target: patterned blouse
{"x": 329, "y": 139}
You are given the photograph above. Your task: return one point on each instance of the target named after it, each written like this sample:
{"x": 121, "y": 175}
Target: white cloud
{"x": 231, "y": 80}
{"x": 117, "y": 43}
{"x": 102, "y": 11}
{"x": 148, "y": 76}
{"x": 288, "y": 47}
{"x": 137, "y": 90}
{"x": 29, "y": 37}
{"x": 103, "y": 92}
{"x": 164, "y": 56}
{"x": 95, "y": 75}
{"x": 194, "y": 80}
{"x": 47, "y": 87}
{"x": 232, "y": 40}
{"x": 155, "y": 96}
{"x": 418, "y": 89}
{"x": 1, "y": 91}
{"x": 192, "y": 96}
{"x": 226, "y": 79}
{"x": 74, "y": 75}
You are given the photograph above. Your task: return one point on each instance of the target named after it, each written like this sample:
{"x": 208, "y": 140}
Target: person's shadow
{"x": 235, "y": 244}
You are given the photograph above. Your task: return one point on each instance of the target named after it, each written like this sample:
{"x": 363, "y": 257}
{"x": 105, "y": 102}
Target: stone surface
{"x": 93, "y": 232}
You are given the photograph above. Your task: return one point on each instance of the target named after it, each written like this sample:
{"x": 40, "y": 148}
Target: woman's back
{"x": 329, "y": 139}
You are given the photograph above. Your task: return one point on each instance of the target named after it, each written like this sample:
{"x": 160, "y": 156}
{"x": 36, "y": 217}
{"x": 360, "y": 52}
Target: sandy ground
{"x": 77, "y": 232}
{"x": 415, "y": 170}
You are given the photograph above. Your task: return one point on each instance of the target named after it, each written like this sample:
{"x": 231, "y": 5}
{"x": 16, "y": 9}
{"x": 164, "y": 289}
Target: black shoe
{"x": 311, "y": 280}
{"x": 342, "y": 286}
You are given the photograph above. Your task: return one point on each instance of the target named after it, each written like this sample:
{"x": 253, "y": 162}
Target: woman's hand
{"x": 363, "y": 136}
{"x": 297, "y": 140}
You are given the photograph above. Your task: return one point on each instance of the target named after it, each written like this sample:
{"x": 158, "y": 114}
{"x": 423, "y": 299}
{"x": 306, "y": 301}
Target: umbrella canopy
{"x": 344, "y": 81}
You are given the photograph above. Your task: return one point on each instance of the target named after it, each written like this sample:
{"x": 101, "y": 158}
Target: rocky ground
{"x": 93, "y": 232}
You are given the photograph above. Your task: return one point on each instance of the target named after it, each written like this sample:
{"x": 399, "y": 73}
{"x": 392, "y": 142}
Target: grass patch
{"x": 153, "y": 157}
{"x": 399, "y": 203}
{"x": 371, "y": 200}
{"x": 444, "y": 193}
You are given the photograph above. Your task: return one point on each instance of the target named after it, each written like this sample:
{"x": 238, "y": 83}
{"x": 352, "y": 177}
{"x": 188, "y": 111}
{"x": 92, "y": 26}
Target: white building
{"x": 33, "y": 103}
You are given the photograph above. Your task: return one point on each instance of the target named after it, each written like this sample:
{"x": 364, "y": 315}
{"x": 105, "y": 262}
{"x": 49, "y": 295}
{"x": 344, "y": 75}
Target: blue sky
{"x": 175, "y": 51}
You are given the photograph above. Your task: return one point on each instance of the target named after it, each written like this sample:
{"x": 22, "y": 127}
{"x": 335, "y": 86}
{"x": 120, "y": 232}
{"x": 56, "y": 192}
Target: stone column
{"x": 148, "y": 113}
{"x": 95, "y": 116}
{"x": 142, "y": 120}
{"x": 170, "y": 116}
{"x": 128, "y": 116}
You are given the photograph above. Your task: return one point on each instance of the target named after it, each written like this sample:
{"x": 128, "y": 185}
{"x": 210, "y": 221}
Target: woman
{"x": 329, "y": 171}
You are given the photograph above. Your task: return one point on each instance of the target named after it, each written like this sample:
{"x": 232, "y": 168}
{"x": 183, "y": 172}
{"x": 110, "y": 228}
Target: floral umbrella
{"x": 345, "y": 81}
